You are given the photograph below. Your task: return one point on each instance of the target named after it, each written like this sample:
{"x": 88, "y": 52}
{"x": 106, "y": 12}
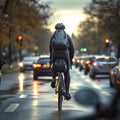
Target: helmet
{"x": 59, "y": 26}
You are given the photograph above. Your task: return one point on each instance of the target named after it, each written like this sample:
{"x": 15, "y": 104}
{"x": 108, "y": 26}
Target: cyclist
{"x": 67, "y": 55}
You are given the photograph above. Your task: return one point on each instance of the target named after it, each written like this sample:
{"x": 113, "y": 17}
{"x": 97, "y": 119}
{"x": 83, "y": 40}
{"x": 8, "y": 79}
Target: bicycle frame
{"x": 60, "y": 90}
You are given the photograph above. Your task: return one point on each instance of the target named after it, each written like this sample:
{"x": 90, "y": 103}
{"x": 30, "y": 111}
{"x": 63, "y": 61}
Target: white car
{"x": 27, "y": 63}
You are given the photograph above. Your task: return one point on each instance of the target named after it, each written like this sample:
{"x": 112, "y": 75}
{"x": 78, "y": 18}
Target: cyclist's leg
{"x": 67, "y": 78}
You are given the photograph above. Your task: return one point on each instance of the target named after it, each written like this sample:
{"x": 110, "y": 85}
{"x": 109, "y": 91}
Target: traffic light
{"x": 83, "y": 49}
{"x": 20, "y": 40}
{"x": 107, "y": 42}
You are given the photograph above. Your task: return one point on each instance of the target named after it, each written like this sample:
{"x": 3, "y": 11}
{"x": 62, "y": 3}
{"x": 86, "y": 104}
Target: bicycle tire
{"x": 60, "y": 94}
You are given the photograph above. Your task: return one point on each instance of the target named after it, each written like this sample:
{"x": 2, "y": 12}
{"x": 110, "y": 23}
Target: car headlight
{"x": 21, "y": 64}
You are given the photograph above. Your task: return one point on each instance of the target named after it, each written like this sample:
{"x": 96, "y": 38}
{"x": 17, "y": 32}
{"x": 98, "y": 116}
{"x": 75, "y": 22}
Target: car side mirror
{"x": 88, "y": 97}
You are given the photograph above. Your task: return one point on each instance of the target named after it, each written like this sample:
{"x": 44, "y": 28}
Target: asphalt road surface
{"x": 22, "y": 98}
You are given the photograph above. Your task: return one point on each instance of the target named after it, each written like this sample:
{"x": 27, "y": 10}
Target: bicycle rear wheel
{"x": 60, "y": 91}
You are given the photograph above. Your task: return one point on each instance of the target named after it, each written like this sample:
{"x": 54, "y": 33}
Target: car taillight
{"x": 95, "y": 64}
{"x": 81, "y": 61}
{"x": 77, "y": 61}
{"x": 73, "y": 60}
{"x": 87, "y": 62}
{"x": 37, "y": 65}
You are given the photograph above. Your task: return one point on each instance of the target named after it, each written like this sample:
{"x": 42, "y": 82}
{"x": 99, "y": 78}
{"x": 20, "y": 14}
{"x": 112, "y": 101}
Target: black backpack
{"x": 60, "y": 41}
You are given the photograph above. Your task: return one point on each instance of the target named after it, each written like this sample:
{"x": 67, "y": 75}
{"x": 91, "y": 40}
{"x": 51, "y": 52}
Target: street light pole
{"x": 10, "y": 47}
{"x": 20, "y": 40}
{"x": 10, "y": 31}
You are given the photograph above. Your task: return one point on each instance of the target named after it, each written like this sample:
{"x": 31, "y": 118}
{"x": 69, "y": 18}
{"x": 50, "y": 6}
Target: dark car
{"x": 75, "y": 61}
{"x": 27, "y": 63}
{"x": 102, "y": 65}
{"x": 115, "y": 77}
{"x": 42, "y": 67}
{"x": 87, "y": 63}
{"x": 81, "y": 62}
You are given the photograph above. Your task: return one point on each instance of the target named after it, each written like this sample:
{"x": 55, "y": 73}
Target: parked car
{"x": 27, "y": 63}
{"x": 102, "y": 65}
{"x": 42, "y": 67}
{"x": 115, "y": 77}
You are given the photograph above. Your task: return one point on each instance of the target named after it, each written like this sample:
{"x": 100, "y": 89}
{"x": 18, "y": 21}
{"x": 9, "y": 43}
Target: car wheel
{"x": 80, "y": 69}
{"x": 85, "y": 72}
{"x": 35, "y": 77}
{"x": 75, "y": 66}
{"x": 111, "y": 84}
{"x": 92, "y": 75}
{"x": 22, "y": 70}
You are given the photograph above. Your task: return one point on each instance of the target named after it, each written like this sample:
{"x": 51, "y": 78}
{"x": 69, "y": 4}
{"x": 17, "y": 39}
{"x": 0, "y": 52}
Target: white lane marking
{"x": 44, "y": 77}
{"x": 22, "y": 96}
{"x": 12, "y": 107}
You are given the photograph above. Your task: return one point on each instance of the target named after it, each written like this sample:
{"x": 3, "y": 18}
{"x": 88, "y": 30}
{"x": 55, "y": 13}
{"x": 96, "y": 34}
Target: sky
{"x": 69, "y": 12}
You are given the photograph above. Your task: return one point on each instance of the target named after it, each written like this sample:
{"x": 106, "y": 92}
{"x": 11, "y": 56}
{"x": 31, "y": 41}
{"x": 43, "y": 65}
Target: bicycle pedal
{"x": 63, "y": 92}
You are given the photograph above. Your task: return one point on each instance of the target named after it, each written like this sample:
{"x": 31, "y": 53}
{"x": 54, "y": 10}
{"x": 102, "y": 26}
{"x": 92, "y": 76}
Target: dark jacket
{"x": 70, "y": 49}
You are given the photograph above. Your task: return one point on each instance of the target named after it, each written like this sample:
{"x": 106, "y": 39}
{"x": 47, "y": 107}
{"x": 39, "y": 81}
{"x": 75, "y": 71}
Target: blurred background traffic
{"x": 26, "y": 28}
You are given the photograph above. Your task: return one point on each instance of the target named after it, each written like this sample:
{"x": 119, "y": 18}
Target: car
{"x": 115, "y": 76}
{"x": 87, "y": 63}
{"x": 27, "y": 63}
{"x": 75, "y": 61}
{"x": 102, "y": 65}
{"x": 42, "y": 67}
{"x": 81, "y": 62}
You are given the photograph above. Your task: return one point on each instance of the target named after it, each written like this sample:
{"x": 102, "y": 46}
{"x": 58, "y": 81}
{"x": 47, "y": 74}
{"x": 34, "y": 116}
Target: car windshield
{"x": 43, "y": 60}
{"x": 29, "y": 59}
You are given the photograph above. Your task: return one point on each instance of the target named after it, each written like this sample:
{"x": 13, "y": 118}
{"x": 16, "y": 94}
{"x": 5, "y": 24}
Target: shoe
{"x": 67, "y": 96}
{"x": 53, "y": 84}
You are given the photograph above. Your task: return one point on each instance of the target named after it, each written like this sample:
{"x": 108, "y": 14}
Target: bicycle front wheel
{"x": 60, "y": 94}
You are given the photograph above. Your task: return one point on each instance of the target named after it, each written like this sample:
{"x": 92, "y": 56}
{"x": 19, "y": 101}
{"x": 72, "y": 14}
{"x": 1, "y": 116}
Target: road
{"x": 23, "y": 98}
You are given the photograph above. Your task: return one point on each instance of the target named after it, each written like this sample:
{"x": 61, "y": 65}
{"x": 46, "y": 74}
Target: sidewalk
{"x": 5, "y": 85}
{"x": 6, "y": 68}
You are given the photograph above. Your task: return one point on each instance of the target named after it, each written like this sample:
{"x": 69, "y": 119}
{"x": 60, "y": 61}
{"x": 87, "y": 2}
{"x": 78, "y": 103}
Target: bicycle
{"x": 60, "y": 82}
{"x": 60, "y": 89}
